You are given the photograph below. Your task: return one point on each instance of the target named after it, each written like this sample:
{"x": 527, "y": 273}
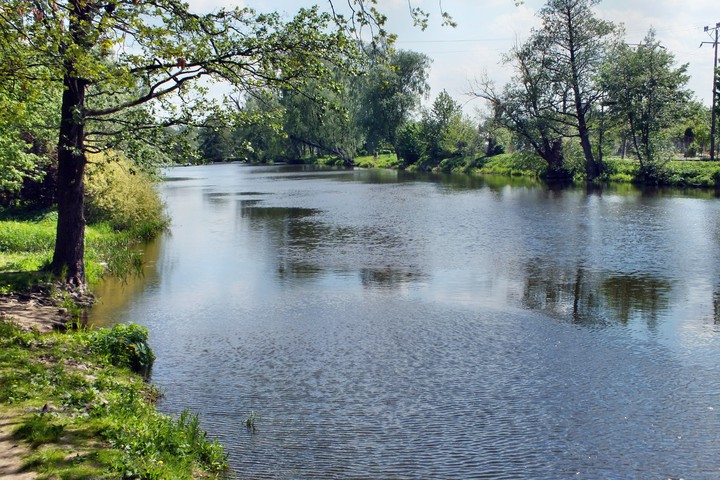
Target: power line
{"x": 714, "y": 90}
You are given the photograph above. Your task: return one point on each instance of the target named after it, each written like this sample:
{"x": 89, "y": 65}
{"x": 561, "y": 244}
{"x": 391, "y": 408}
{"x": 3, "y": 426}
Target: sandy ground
{"x": 30, "y": 311}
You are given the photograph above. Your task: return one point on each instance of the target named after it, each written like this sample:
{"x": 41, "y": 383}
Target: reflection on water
{"x": 386, "y": 324}
{"x": 595, "y": 297}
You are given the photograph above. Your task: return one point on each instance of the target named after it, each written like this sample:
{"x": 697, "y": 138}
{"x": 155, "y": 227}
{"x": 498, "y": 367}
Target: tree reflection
{"x": 593, "y": 297}
{"x": 304, "y": 247}
{"x": 388, "y": 278}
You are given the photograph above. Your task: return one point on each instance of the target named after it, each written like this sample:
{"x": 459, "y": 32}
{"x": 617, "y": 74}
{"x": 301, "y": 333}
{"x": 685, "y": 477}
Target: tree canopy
{"x": 127, "y": 67}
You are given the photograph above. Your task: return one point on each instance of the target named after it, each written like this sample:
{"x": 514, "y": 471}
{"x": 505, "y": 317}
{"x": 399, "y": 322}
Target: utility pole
{"x": 714, "y": 90}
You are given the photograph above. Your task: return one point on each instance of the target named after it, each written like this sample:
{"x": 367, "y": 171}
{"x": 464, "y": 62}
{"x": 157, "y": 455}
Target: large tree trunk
{"x": 593, "y": 168}
{"x": 552, "y": 153}
{"x": 70, "y": 239}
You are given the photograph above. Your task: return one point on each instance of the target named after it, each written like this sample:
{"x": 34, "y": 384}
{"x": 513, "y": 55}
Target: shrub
{"x": 124, "y": 346}
{"x": 123, "y": 197}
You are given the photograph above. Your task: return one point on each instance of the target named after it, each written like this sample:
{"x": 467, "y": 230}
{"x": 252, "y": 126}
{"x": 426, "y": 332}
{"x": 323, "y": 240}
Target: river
{"x": 381, "y": 324}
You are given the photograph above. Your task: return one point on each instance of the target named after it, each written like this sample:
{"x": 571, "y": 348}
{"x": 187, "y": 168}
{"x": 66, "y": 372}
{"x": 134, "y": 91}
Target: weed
{"x": 250, "y": 422}
{"x": 40, "y": 428}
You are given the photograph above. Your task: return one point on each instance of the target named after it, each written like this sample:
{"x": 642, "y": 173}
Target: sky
{"x": 489, "y": 28}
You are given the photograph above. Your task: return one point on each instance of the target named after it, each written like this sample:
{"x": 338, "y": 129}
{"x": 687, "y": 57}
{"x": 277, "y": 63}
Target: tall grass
{"x": 512, "y": 165}
{"x": 385, "y": 160}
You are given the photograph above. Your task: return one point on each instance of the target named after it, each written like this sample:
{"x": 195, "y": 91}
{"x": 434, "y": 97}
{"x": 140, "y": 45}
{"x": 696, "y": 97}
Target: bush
{"x": 124, "y": 346}
{"x": 123, "y": 197}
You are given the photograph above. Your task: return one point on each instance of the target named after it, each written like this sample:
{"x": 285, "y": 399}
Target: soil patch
{"x": 12, "y": 451}
{"x": 33, "y": 310}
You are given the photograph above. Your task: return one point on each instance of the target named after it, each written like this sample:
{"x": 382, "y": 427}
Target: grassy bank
{"x": 677, "y": 173}
{"x": 78, "y": 401}
{"x": 86, "y": 412}
{"x": 27, "y": 240}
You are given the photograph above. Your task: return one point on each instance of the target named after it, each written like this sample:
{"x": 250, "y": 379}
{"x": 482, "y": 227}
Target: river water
{"x": 386, "y": 325}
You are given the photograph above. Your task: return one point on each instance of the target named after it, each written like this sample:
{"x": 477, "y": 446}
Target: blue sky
{"x": 488, "y": 28}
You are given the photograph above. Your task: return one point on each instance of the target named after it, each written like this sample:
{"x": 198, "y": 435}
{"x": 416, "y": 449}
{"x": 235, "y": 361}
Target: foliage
{"x": 410, "y": 146}
{"x": 390, "y": 91}
{"x": 690, "y": 174}
{"x": 24, "y": 129}
{"x": 512, "y": 165}
{"x": 85, "y": 418}
{"x": 215, "y": 140}
{"x": 576, "y": 40}
{"x": 124, "y": 197}
{"x": 317, "y": 128}
{"x": 124, "y": 346}
{"x": 553, "y": 92}
{"x": 621, "y": 171}
{"x": 649, "y": 94}
{"x": 383, "y": 160}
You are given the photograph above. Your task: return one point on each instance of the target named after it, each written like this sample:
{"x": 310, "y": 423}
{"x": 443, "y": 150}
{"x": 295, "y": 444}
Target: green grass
{"x": 619, "y": 170}
{"x": 677, "y": 173}
{"x": 686, "y": 173}
{"x": 26, "y": 248}
{"x": 511, "y": 165}
{"x": 85, "y": 414}
{"x": 385, "y": 160}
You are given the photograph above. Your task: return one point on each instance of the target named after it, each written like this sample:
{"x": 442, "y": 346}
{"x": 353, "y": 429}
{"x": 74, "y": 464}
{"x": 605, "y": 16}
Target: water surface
{"x": 385, "y": 325}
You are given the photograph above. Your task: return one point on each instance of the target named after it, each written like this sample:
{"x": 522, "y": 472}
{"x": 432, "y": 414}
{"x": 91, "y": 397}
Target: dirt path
{"x": 30, "y": 311}
{"x": 11, "y": 451}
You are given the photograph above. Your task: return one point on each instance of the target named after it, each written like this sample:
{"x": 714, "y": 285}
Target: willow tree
{"x": 127, "y": 66}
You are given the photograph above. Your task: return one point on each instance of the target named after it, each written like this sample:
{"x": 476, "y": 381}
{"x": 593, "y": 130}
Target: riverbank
{"x": 74, "y": 404}
{"x": 690, "y": 173}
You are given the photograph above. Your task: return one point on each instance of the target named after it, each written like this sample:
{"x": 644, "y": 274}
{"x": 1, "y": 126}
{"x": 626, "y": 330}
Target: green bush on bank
{"x": 620, "y": 170}
{"x": 123, "y": 209}
{"x": 124, "y": 198}
{"x": 384, "y": 160}
{"x": 124, "y": 346}
{"x": 70, "y": 394}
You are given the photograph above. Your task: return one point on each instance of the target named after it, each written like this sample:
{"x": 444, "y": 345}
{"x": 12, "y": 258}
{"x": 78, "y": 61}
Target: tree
{"x": 649, "y": 94}
{"x": 25, "y": 131}
{"x": 128, "y": 66}
{"x": 390, "y": 91}
{"x": 258, "y": 138}
{"x": 329, "y": 126}
{"x": 528, "y": 106}
{"x": 410, "y": 147}
{"x": 576, "y": 40}
{"x": 215, "y": 139}
{"x": 553, "y": 94}
{"x": 436, "y": 124}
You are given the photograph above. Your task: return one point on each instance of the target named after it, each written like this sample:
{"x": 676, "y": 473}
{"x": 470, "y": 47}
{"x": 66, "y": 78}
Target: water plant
{"x": 250, "y": 422}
